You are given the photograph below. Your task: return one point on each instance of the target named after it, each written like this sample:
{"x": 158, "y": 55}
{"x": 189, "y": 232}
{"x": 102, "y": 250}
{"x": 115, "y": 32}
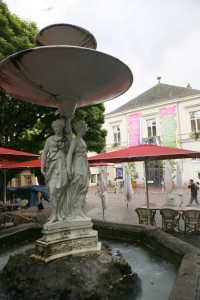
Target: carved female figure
{"x": 54, "y": 155}
{"x": 78, "y": 170}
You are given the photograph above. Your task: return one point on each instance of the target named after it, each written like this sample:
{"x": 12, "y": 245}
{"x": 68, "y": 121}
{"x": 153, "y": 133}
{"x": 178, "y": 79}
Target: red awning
{"x": 5, "y": 164}
{"x": 30, "y": 164}
{"x": 36, "y": 164}
{"x": 142, "y": 153}
{"x": 11, "y": 154}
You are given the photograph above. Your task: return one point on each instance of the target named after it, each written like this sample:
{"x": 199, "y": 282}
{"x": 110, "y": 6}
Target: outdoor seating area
{"x": 23, "y": 203}
{"x": 171, "y": 217}
{"x": 19, "y": 217}
{"x": 191, "y": 220}
{"x": 143, "y": 216}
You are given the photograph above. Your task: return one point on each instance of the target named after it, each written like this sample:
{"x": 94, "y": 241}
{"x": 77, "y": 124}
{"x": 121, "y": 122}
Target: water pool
{"x": 156, "y": 274}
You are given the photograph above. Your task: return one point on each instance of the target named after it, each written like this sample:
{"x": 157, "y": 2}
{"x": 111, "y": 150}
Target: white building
{"x": 165, "y": 114}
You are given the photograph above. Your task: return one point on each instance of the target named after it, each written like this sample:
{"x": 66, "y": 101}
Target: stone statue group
{"x": 65, "y": 167}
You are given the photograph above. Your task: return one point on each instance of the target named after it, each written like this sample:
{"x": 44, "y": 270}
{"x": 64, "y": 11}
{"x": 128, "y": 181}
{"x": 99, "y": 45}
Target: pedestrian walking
{"x": 162, "y": 181}
{"x": 194, "y": 188}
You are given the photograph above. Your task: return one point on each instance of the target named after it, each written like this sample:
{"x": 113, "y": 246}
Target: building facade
{"x": 166, "y": 115}
{"x": 23, "y": 179}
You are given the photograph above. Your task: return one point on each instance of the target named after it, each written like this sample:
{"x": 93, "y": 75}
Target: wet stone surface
{"x": 94, "y": 276}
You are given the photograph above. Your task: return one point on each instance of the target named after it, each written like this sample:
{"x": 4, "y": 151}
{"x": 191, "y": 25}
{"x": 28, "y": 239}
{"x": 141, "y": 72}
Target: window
{"x": 119, "y": 173}
{"x": 28, "y": 180}
{"x": 195, "y": 121}
{"x": 151, "y": 127}
{"x": 116, "y": 133}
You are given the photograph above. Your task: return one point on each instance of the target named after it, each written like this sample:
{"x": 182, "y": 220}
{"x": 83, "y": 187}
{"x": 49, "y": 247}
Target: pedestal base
{"x": 61, "y": 239}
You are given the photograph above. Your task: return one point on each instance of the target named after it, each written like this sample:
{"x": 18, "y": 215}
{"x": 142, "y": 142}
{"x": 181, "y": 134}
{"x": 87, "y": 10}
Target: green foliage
{"x": 94, "y": 118}
{"x": 115, "y": 145}
{"x": 173, "y": 167}
{"x": 133, "y": 171}
{"x": 194, "y": 135}
{"x": 15, "y": 34}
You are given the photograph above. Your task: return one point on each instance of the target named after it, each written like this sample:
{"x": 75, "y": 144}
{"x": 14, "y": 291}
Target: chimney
{"x": 159, "y": 78}
{"x": 189, "y": 86}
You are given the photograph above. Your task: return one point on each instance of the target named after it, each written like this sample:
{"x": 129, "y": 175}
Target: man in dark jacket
{"x": 194, "y": 188}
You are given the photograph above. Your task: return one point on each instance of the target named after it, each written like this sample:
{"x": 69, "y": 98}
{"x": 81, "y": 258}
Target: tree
{"x": 15, "y": 34}
{"x": 94, "y": 118}
{"x": 133, "y": 171}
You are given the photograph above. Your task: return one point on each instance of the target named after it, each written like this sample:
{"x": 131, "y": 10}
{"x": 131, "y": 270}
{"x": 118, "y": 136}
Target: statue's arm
{"x": 70, "y": 153}
{"x": 68, "y": 130}
{"x": 44, "y": 157}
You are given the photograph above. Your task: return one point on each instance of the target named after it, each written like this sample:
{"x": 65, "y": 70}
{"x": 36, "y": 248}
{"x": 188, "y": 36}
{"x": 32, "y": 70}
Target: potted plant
{"x": 115, "y": 145}
{"x": 194, "y": 135}
{"x": 133, "y": 173}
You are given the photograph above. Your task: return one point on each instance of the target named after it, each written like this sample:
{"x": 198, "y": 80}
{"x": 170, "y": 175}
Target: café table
{"x": 11, "y": 205}
{"x": 30, "y": 216}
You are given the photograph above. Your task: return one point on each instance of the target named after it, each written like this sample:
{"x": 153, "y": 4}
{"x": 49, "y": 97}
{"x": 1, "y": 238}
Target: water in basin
{"x": 156, "y": 274}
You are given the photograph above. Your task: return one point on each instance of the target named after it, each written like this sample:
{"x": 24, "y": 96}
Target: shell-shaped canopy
{"x": 65, "y": 34}
{"x": 64, "y": 76}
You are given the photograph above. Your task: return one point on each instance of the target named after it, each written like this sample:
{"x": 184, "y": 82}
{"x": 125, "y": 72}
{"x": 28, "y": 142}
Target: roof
{"x": 158, "y": 93}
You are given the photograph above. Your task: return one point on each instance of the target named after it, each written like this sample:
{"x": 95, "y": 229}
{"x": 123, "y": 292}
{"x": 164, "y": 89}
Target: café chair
{"x": 143, "y": 217}
{"x": 191, "y": 219}
{"x": 170, "y": 219}
{"x": 5, "y": 220}
{"x": 23, "y": 203}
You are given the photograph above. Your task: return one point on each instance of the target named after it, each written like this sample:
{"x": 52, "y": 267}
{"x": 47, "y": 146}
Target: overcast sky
{"x": 153, "y": 37}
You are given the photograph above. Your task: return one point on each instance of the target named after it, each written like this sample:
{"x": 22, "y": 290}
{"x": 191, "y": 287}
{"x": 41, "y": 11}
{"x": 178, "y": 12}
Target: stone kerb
{"x": 187, "y": 283}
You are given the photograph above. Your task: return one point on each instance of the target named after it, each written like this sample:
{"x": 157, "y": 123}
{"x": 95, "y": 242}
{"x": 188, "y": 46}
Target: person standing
{"x": 194, "y": 188}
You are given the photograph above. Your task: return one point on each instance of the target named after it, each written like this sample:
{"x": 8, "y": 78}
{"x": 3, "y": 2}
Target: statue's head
{"x": 80, "y": 127}
{"x": 58, "y": 123}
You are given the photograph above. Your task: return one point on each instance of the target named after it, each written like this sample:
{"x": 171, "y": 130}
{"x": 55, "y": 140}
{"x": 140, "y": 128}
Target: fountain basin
{"x": 186, "y": 285}
{"x": 64, "y": 76}
{"x": 65, "y": 34}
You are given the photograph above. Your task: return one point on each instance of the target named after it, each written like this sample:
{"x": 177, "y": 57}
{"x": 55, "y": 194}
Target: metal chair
{"x": 143, "y": 217}
{"x": 191, "y": 219}
{"x": 170, "y": 219}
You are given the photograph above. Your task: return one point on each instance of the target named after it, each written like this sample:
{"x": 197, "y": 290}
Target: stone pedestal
{"x": 65, "y": 238}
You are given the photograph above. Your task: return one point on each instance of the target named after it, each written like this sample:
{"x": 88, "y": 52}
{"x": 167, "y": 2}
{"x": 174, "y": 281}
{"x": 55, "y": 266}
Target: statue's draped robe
{"x": 57, "y": 173}
{"x": 81, "y": 173}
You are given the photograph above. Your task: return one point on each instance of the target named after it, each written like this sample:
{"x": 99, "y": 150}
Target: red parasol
{"x": 11, "y": 154}
{"x": 29, "y": 164}
{"x": 144, "y": 153}
{"x": 36, "y": 164}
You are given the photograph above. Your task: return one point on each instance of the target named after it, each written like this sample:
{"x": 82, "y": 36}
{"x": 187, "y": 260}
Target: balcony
{"x": 155, "y": 140}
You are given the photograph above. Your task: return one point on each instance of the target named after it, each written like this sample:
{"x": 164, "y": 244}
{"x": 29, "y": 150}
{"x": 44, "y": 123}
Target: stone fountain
{"x": 65, "y": 71}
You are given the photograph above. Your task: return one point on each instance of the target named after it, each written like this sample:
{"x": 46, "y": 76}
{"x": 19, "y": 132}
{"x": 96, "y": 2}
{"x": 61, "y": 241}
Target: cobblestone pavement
{"x": 118, "y": 211}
